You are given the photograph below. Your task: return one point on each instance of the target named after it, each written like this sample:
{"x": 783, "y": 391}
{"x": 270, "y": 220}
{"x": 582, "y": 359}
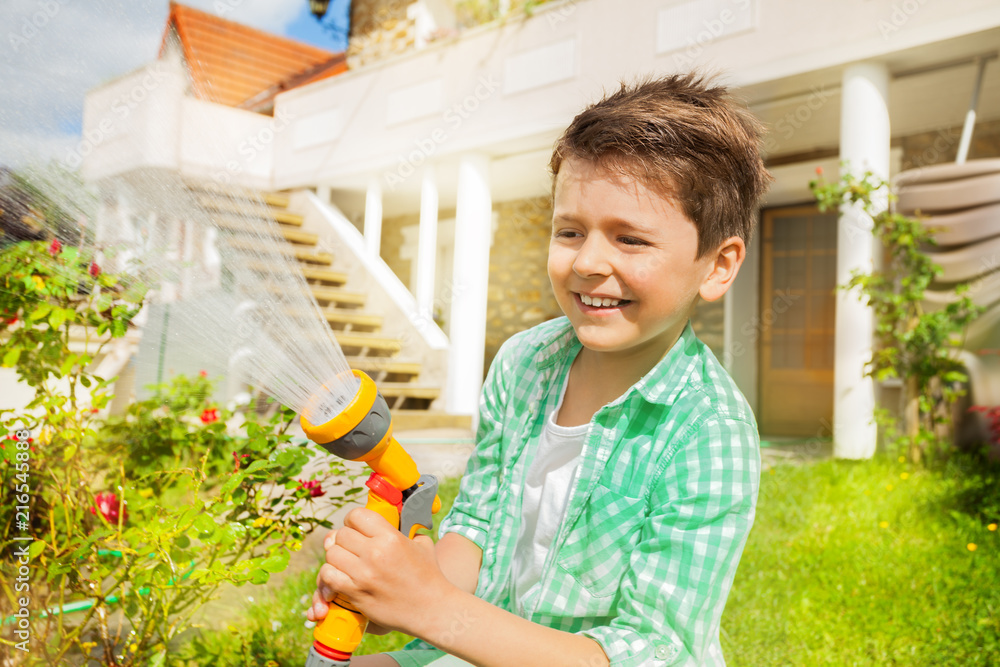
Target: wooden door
{"x": 798, "y": 277}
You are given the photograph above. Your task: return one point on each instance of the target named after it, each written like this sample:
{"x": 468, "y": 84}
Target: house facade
{"x": 424, "y": 168}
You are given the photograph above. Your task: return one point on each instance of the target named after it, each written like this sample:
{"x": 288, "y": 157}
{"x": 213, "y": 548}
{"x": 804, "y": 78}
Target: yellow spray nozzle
{"x": 363, "y": 432}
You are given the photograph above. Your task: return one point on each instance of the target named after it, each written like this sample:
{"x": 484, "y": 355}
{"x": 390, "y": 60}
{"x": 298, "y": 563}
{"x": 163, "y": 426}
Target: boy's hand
{"x": 391, "y": 579}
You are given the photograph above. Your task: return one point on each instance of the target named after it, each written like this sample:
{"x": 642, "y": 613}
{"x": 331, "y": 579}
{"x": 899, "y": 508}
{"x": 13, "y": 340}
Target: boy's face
{"x": 615, "y": 240}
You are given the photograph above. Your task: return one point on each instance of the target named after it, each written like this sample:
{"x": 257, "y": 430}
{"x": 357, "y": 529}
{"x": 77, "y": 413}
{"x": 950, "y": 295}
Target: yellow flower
{"x": 888, "y": 487}
{"x": 992, "y": 526}
{"x": 902, "y": 459}
{"x": 39, "y": 283}
{"x": 146, "y": 493}
{"x": 883, "y": 524}
{"x": 262, "y": 521}
{"x": 970, "y": 546}
{"x": 904, "y": 475}
{"x": 867, "y": 492}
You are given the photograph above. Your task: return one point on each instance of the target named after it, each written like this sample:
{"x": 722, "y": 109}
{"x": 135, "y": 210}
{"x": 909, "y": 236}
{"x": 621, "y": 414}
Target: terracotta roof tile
{"x": 233, "y": 64}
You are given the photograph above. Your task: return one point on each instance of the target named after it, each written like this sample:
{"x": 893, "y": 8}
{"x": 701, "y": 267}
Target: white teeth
{"x": 590, "y": 301}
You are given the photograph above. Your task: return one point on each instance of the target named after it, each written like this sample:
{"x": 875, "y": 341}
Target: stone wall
{"x": 379, "y": 28}
{"x": 520, "y": 295}
{"x": 391, "y": 246}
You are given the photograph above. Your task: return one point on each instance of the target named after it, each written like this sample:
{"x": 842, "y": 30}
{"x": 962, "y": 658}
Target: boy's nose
{"x": 592, "y": 258}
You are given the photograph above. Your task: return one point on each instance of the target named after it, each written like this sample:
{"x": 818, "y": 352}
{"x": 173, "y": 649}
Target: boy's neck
{"x": 598, "y": 378}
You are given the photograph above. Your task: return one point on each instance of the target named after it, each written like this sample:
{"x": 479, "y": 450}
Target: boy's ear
{"x": 723, "y": 266}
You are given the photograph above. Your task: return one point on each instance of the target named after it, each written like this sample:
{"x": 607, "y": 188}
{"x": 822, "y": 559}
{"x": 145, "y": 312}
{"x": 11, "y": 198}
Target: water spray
{"x": 260, "y": 314}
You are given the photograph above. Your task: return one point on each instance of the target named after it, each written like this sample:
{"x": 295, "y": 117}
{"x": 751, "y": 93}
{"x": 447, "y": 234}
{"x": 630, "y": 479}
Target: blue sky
{"x": 53, "y": 51}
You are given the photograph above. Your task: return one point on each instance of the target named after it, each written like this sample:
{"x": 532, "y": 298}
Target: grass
{"x": 848, "y": 563}
{"x": 869, "y": 563}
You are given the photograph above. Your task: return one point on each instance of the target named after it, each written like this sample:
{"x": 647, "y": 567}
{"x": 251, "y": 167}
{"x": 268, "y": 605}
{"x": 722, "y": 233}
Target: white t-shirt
{"x": 547, "y": 486}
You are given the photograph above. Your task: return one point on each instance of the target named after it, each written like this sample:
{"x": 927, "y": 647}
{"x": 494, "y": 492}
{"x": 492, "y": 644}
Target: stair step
{"x": 377, "y": 366}
{"x": 299, "y": 253}
{"x": 418, "y": 420}
{"x": 275, "y": 199}
{"x": 236, "y": 210}
{"x": 333, "y": 295}
{"x": 324, "y": 275}
{"x": 394, "y": 389}
{"x": 238, "y": 225}
{"x": 300, "y": 237}
{"x": 353, "y": 318}
{"x": 371, "y": 342}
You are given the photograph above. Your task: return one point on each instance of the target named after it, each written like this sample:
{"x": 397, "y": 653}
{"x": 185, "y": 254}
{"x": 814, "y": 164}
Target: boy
{"x": 604, "y": 510}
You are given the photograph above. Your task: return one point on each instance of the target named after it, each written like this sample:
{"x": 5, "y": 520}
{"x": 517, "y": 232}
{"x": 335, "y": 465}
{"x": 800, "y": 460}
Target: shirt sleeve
{"x": 703, "y": 503}
{"x": 477, "y": 494}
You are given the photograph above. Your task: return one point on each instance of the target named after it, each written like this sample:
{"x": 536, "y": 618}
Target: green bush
{"x": 136, "y": 522}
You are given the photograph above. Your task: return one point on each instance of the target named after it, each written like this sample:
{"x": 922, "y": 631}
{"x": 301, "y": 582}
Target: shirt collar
{"x": 660, "y": 385}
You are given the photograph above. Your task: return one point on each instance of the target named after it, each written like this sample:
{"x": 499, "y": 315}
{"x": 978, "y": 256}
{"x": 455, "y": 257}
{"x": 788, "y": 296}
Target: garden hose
{"x": 397, "y": 491}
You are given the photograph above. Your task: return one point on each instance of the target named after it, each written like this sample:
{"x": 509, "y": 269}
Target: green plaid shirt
{"x": 657, "y": 518}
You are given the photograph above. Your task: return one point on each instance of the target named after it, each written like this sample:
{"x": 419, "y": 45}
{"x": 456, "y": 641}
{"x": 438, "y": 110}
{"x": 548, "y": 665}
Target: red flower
{"x": 94, "y": 270}
{"x": 55, "y": 247}
{"x": 210, "y": 415}
{"x": 203, "y": 374}
{"x": 12, "y": 320}
{"x": 314, "y": 487}
{"x": 819, "y": 171}
{"x": 107, "y": 504}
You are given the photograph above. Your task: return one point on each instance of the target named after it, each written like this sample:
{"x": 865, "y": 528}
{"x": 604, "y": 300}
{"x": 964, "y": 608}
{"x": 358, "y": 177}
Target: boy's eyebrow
{"x": 628, "y": 225}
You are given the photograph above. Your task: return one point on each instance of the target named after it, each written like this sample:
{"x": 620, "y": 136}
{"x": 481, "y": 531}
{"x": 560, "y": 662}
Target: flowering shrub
{"x": 147, "y": 514}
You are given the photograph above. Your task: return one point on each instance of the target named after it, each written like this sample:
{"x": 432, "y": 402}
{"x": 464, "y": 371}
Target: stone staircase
{"x": 357, "y": 330}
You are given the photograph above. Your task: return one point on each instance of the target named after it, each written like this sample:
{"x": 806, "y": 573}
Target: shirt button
{"x": 665, "y": 651}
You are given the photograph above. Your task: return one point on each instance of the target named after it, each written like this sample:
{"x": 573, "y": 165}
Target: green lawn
{"x": 849, "y": 563}
{"x": 869, "y": 563}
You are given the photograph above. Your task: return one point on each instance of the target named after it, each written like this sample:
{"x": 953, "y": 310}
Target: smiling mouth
{"x": 595, "y": 302}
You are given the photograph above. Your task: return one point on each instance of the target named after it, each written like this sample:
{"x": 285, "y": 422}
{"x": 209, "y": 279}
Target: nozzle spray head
{"x": 362, "y": 431}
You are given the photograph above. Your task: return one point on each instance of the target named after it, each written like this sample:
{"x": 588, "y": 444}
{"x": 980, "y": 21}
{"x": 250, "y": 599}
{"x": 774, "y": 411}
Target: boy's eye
{"x": 565, "y": 234}
{"x": 631, "y": 240}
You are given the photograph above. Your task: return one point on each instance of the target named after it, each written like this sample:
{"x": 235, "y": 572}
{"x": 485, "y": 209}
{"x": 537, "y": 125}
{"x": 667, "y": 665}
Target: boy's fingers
{"x": 329, "y": 540}
{"x": 367, "y": 522}
{"x": 319, "y": 608}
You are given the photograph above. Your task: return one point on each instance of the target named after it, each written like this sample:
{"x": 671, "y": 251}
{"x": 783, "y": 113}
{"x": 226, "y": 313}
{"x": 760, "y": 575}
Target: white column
{"x": 373, "y": 218}
{"x": 427, "y": 245}
{"x": 467, "y": 318}
{"x": 864, "y": 146}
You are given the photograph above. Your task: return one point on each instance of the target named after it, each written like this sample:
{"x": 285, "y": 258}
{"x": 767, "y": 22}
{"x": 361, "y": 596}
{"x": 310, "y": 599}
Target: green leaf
{"x": 69, "y": 451}
{"x": 10, "y": 359}
{"x": 232, "y": 482}
{"x": 57, "y": 318}
{"x": 204, "y": 524}
{"x": 36, "y": 548}
{"x": 276, "y": 563}
{"x": 258, "y": 464}
{"x": 40, "y": 312}
{"x": 259, "y": 577}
